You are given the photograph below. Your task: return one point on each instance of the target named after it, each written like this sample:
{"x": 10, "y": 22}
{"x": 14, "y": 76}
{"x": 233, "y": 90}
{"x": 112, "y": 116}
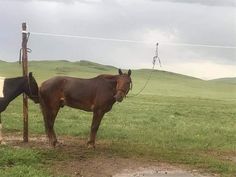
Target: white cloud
{"x": 141, "y": 20}
{"x": 206, "y": 2}
{"x": 154, "y": 35}
{"x": 203, "y": 70}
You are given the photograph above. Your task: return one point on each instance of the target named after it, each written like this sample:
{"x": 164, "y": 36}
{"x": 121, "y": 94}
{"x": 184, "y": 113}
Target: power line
{"x": 87, "y": 37}
{"x": 199, "y": 45}
{"x": 133, "y": 41}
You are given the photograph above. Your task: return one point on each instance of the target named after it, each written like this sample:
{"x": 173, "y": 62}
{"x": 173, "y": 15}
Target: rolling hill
{"x": 231, "y": 80}
{"x": 161, "y": 83}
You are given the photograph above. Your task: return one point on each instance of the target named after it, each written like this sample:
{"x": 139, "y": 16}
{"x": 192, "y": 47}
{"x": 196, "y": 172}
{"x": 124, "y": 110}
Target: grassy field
{"x": 177, "y": 119}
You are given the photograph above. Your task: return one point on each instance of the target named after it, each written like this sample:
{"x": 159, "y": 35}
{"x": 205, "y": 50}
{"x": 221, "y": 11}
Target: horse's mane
{"x": 107, "y": 76}
{"x": 15, "y": 78}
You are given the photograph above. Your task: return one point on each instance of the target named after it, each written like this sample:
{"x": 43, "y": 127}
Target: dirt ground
{"x": 78, "y": 161}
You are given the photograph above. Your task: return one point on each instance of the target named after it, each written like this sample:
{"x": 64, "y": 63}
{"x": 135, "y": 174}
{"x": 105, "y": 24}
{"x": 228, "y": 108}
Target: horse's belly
{"x": 81, "y": 107}
{"x": 85, "y": 106}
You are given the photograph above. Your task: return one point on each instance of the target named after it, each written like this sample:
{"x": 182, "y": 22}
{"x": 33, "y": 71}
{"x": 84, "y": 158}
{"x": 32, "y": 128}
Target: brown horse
{"x": 95, "y": 95}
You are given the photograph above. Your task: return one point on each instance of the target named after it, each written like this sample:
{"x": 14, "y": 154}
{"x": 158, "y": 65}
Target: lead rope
{"x": 156, "y": 57}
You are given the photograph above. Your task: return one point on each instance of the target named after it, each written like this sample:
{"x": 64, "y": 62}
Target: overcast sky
{"x": 205, "y": 22}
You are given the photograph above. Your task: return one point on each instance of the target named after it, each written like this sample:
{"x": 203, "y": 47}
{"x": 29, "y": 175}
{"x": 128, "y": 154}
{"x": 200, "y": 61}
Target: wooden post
{"x": 25, "y": 73}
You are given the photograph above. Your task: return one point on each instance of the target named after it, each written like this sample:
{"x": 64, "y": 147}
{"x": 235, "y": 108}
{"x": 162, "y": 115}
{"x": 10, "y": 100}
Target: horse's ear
{"x": 120, "y": 72}
{"x": 129, "y": 72}
{"x": 30, "y": 74}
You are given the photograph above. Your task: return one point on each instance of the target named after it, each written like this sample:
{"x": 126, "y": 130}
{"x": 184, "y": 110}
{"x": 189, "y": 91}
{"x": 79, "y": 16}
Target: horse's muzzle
{"x": 35, "y": 99}
{"x": 119, "y": 97}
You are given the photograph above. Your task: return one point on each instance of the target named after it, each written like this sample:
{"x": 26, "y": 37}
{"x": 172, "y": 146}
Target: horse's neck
{"x": 111, "y": 79}
{"x": 15, "y": 87}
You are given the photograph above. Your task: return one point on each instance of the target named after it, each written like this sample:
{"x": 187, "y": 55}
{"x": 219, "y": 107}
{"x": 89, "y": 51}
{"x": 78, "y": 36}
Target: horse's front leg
{"x": 1, "y": 129}
{"x": 97, "y": 117}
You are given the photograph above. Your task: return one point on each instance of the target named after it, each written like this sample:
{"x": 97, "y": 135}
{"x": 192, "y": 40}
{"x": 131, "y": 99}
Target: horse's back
{"x": 68, "y": 86}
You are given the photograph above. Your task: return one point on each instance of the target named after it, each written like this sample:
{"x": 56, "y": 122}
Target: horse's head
{"x": 123, "y": 85}
{"x": 33, "y": 89}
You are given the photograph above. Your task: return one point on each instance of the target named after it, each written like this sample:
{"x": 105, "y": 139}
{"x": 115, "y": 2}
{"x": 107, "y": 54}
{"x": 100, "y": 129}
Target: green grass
{"x": 21, "y": 163}
{"x": 177, "y": 119}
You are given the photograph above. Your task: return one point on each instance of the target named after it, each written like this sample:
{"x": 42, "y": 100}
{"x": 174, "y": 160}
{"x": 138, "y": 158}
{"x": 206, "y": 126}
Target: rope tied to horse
{"x": 156, "y": 57}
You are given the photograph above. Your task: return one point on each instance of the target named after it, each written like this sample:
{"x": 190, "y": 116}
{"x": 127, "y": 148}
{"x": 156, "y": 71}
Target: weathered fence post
{"x": 25, "y": 73}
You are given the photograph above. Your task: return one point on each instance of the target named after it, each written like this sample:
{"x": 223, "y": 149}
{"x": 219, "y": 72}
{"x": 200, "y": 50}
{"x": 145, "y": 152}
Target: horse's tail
{"x": 43, "y": 106}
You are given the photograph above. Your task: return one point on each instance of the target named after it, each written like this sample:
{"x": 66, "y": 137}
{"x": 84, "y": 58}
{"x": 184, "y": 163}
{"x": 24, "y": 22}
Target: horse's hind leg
{"x": 49, "y": 115}
{"x": 49, "y": 121}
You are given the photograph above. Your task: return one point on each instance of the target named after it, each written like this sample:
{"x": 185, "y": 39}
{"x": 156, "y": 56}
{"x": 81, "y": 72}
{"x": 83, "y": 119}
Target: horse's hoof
{"x": 3, "y": 143}
{"x": 59, "y": 144}
{"x": 90, "y": 146}
{"x": 52, "y": 144}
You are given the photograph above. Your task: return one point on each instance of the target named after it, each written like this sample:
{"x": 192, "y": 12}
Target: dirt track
{"x": 80, "y": 161}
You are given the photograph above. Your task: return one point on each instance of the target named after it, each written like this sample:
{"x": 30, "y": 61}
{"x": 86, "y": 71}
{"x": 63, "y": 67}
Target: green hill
{"x": 161, "y": 83}
{"x": 231, "y": 80}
